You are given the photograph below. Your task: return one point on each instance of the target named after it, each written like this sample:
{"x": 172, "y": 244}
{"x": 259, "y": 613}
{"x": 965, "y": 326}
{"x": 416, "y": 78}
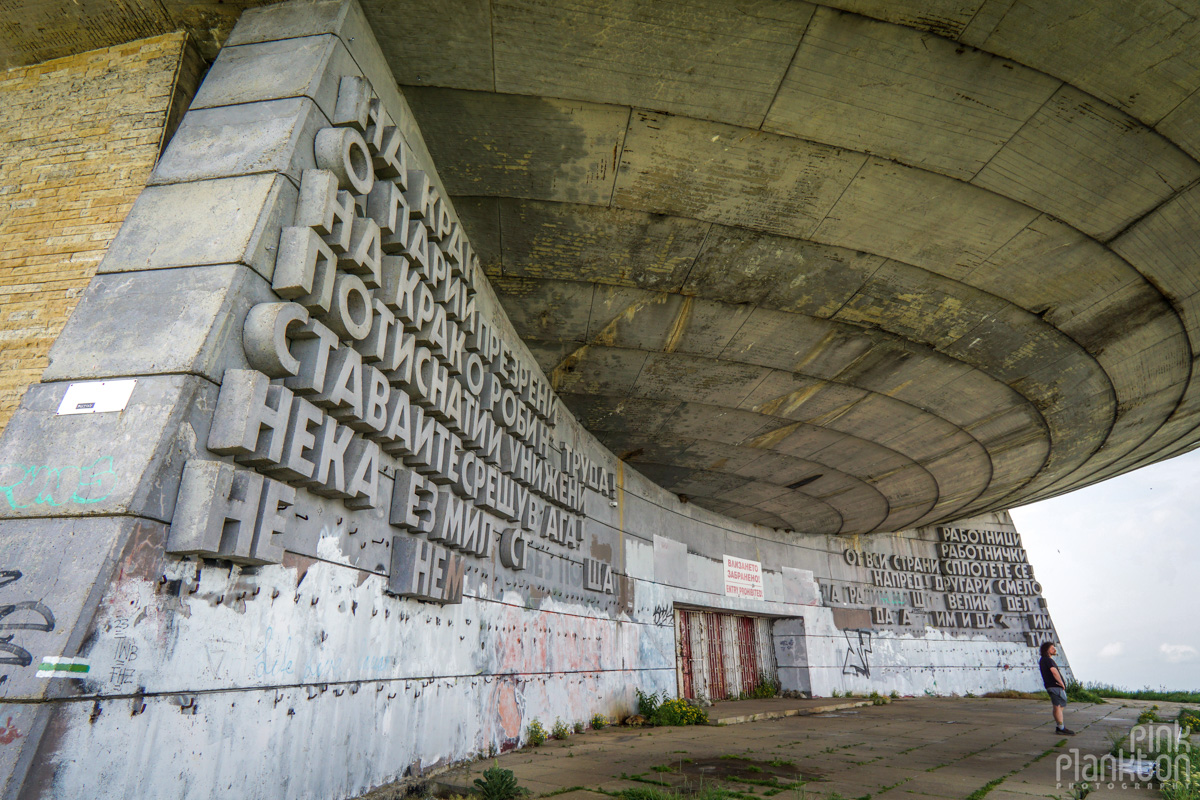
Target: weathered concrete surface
{"x": 998, "y": 219}
{"x": 937, "y": 748}
{"x": 202, "y": 673}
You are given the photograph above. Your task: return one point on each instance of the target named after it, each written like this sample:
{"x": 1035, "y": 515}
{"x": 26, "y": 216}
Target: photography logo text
{"x": 1153, "y": 755}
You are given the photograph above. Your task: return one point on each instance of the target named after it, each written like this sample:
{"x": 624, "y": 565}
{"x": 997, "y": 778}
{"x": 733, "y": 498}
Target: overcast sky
{"x": 1119, "y": 564}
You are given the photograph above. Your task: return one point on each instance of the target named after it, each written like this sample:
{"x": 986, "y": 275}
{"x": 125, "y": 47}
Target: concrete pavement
{"x": 917, "y": 749}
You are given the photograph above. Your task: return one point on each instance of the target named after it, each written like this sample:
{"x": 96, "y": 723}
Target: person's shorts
{"x": 1058, "y": 696}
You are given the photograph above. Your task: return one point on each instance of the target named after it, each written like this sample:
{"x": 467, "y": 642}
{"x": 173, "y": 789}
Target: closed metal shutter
{"x": 722, "y": 656}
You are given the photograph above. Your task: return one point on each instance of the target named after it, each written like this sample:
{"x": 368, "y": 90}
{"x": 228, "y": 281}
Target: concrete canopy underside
{"x": 837, "y": 269}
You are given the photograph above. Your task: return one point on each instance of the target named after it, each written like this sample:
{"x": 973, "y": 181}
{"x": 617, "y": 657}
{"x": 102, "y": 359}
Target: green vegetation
{"x": 499, "y": 784}
{"x": 1148, "y": 716}
{"x": 982, "y": 791}
{"x": 706, "y": 793}
{"x": 599, "y": 721}
{"x": 1158, "y": 695}
{"x": 578, "y": 727}
{"x": 1013, "y": 694}
{"x": 537, "y": 733}
{"x": 1182, "y": 787}
{"x": 767, "y": 687}
{"x": 648, "y": 703}
{"x": 1077, "y": 693}
{"x": 560, "y": 729}
{"x": 1078, "y": 792}
{"x": 979, "y": 793}
{"x": 1189, "y": 718}
{"x": 1117, "y": 742}
{"x": 669, "y": 711}
{"x": 678, "y": 712}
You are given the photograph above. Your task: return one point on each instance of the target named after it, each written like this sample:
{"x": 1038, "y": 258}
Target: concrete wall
{"x": 80, "y": 136}
{"x": 187, "y": 642}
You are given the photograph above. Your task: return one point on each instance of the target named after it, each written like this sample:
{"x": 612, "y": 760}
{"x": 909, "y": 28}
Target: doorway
{"x": 721, "y": 656}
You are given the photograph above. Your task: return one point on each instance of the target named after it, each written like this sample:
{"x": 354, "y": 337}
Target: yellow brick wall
{"x": 78, "y": 138}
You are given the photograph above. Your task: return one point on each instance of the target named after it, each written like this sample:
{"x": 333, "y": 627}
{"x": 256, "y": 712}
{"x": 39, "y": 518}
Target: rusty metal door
{"x": 684, "y": 660}
{"x": 719, "y": 655}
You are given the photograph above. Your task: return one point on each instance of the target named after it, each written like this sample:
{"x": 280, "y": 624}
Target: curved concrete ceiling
{"x": 831, "y": 271}
{"x": 841, "y": 268}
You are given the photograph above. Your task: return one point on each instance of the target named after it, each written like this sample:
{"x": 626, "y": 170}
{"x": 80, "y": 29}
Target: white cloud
{"x": 1112, "y": 650}
{"x": 1174, "y": 653}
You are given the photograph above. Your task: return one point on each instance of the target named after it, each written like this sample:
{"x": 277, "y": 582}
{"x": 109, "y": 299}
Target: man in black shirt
{"x": 1056, "y": 687}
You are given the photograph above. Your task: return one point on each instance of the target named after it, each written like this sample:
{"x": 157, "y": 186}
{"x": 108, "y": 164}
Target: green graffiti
{"x": 27, "y": 485}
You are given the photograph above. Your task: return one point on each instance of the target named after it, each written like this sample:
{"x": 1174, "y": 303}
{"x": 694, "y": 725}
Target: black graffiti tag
{"x": 21, "y": 616}
{"x": 856, "y": 654}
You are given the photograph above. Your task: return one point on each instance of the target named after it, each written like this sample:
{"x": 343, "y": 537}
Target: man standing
{"x": 1056, "y": 687}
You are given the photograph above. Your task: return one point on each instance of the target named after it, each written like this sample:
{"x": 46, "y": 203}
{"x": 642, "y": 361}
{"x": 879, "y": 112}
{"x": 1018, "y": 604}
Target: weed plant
{"x": 560, "y": 729}
{"x": 537, "y": 733}
{"x": 648, "y": 703}
{"x": 1076, "y": 692}
{"x": 499, "y": 784}
{"x": 678, "y": 712}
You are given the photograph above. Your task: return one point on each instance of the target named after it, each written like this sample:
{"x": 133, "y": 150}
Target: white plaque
{"x": 96, "y": 397}
{"x": 743, "y": 578}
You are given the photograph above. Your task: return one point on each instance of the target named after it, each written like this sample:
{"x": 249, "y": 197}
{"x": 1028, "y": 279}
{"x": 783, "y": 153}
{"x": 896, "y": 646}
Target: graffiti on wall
{"x": 858, "y": 647}
{"x": 28, "y": 615}
{"x": 27, "y": 485}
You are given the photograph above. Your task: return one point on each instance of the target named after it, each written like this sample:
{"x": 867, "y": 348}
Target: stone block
{"x": 289, "y": 21}
{"x": 285, "y": 21}
{"x": 199, "y": 313}
{"x": 126, "y": 462}
{"x": 221, "y": 221}
{"x": 311, "y": 66}
{"x": 272, "y": 136}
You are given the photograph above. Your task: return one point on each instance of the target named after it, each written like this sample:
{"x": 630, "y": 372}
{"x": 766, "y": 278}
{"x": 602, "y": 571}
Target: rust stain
{"x": 559, "y": 374}
{"x": 831, "y": 416}
{"x": 785, "y": 404}
{"x": 608, "y": 334}
{"x": 679, "y": 326}
{"x": 769, "y": 439}
{"x": 818, "y": 348}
